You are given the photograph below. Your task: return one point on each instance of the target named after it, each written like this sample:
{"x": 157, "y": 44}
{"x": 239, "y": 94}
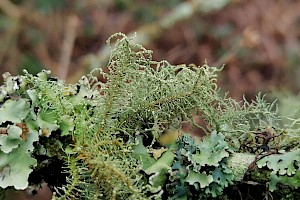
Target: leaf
{"x": 11, "y": 140}
{"x": 221, "y": 178}
{"x": 214, "y": 189}
{"x": 212, "y": 150}
{"x": 164, "y": 162}
{"x": 158, "y": 152}
{"x": 285, "y": 168}
{"x": 283, "y": 163}
{"x": 159, "y": 169}
{"x": 139, "y": 151}
{"x": 47, "y": 123}
{"x": 292, "y": 181}
{"x": 34, "y": 100}
{"x": 66, "y": 125}
{"x": 33, "y": 96}
{"x": 14, "y": 110}
{"x": 16, "y": 166}
{"x": 196, "y": 177}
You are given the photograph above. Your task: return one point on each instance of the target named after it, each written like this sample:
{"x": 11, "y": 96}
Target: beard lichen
{"x": 111, "y": 134}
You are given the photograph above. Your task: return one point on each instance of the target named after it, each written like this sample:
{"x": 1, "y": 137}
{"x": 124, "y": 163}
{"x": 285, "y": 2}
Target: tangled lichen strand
{"x": 142, "y": 97}
{"x": 56, "y": 110}
{"x": 114, "y": 148}
{"x": 169, "y": 93}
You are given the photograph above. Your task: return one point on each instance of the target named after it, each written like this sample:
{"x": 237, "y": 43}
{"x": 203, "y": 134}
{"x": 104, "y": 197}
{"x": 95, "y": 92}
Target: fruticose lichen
{"x": 122, "y": 138}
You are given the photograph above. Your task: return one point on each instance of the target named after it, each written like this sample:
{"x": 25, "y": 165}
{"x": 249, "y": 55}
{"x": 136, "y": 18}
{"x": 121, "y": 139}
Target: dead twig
{"x": 147, "y": 33}
{"x": 67, "y": 46}
{"x": 10, "y": 9}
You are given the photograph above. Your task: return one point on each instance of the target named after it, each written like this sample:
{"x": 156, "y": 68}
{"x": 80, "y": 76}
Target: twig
{"x": 10, "y": 9}
{"x": 67, "y": 47}
{"x": 22, "y": 19}
{"x": 147, "y": 33}
{"x": 9, "y": 38}
{"x": 241, "y": 196}
{"x": 13, "y": 12}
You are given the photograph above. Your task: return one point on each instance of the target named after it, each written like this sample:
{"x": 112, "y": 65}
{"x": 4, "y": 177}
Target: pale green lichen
{"x": 113, "y": 130}
{"x": 285, "y": 168}
{"x": 239, "y": 164}
{"x": 17, "y": 164}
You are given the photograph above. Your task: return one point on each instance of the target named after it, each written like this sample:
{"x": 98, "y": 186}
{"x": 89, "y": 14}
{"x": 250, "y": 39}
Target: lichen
{"x": 122, "y": 138}
{"x": 239, "y": 164}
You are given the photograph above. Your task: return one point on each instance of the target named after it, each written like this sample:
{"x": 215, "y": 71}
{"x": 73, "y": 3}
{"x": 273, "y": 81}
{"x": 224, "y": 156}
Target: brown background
{"x": 257, "y": 40}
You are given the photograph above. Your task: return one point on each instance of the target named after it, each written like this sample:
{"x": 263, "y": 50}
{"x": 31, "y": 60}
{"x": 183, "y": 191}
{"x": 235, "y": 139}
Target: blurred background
{"x": 257, "y": 40}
